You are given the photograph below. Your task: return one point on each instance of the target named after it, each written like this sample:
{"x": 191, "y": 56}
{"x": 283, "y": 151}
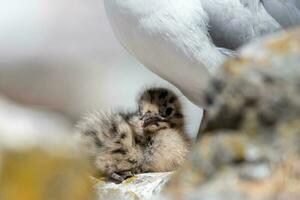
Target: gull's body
{"x": 184, "y": 41}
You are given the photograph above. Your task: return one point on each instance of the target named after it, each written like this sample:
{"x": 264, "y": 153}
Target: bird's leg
{"x": 203, "y": 124}
{"x": 116, "y": 177}
{"x": 120, "y": 177}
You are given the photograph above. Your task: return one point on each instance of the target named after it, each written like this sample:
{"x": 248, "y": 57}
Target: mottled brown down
{"x": 153, "y": 139}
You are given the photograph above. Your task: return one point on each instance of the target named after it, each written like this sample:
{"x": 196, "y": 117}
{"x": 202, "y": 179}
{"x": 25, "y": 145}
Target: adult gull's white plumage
{"x": 184, "y": 41}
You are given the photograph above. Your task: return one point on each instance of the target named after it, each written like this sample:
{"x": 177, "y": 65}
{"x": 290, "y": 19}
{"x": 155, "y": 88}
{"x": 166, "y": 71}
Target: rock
{"x": 39, "y": 174}
{"x": 38, "y": 160}
{"x": 250, "y": 145}
{"x": 142, "y": 186}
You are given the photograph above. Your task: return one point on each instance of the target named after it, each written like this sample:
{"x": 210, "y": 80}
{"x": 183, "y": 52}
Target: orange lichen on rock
{"x": 37, "y": 174}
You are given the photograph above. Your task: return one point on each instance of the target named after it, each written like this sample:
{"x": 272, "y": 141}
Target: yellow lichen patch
{"x": 130, "y": 180}
{"x": 286, "y": 43}
{"x": 39, "y": 175}
{"x": 99, "y": 180}
{"x": 234, "y": 67}
{"x": 281, "y": 44}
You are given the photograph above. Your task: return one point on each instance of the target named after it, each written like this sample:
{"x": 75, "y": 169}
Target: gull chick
{"x": 108, "y": 141}
{"x": 152, "y": 139}
{"x": 167, "y": 143}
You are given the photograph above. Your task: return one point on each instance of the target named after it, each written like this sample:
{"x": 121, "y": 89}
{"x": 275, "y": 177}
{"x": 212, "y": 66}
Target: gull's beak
{"x": 150, "y": 119}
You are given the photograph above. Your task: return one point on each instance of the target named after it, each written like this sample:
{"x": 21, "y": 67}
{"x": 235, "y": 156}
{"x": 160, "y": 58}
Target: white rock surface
{"x": 142, "y": 187}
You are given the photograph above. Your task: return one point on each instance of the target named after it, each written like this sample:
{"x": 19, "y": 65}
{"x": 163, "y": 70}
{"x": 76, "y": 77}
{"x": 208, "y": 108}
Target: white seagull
{"x": 185, "y": 41}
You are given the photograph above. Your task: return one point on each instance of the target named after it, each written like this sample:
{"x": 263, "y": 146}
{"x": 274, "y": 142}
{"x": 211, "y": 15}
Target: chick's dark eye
{"x": 169, "y": 111}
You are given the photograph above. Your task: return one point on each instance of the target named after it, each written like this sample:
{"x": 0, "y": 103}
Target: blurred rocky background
{"x": 249, "y": 148}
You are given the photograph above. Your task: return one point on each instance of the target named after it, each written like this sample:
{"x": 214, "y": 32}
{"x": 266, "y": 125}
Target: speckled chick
{"x": 163, "y": 126}
{"x": 122, "y": 144}
{"x": 108, "y": 140}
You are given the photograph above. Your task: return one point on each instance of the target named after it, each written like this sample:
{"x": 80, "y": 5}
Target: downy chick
{"x": 108, "y": 140}
{"x": 122, "y": 144}
{"x": 163, "y": 127}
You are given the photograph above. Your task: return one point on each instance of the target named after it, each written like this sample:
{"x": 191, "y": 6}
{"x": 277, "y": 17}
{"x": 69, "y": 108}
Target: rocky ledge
{"x": 249, "y": 148}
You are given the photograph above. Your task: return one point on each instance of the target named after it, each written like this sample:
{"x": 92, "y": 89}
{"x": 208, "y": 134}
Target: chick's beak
{"x": 149, "y": 119}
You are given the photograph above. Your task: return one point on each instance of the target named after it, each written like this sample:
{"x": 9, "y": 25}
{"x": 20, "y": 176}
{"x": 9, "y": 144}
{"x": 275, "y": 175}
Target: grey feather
{"x": 232, "y": 23}
{"x": 286, "y": 12}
